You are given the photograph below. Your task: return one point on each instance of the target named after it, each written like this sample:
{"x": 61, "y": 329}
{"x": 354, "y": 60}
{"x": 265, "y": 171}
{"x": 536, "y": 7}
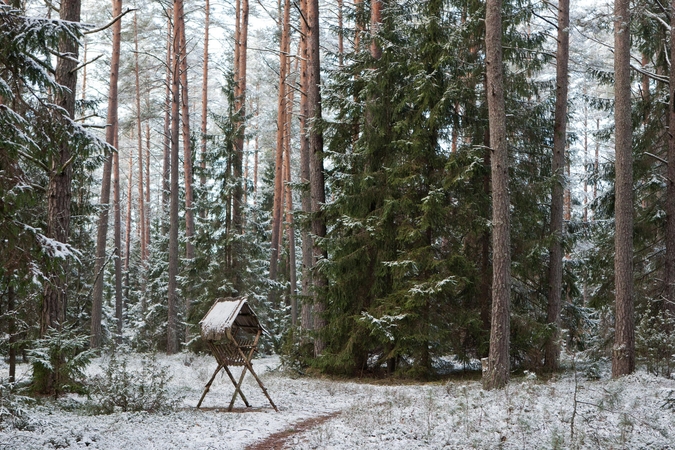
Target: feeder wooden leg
{"x": 250, "y": 368}
{"x": 234, "y": 382}
{"x": 237, "y": 388}
{"x": 208, "y": 385}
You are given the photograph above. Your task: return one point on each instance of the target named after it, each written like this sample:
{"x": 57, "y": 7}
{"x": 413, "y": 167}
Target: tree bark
{"x": 277, "y": 211}
{"x": 341, "y": 33}
{"x": 318, "y": 193}
{"x": 290, "y": 228}
{"x": 166, "y": 167}
{"x": 670, "y": 191}
{"x": 111, "y": 132}
{"x": 117, "y": 232}
{"x": 623, "y": 352}
{"x": 497, "y": 374}
{"x": 181, "y": 54}
{"x": 11, "y": 330}
{"x": 141, "y": 200}
{"x": 240, "y": 108}
{"x": 127, "y": 227}
{"x": 172, "y": 323}
{"x": 147, "y": 186}
{"x": 59, "y": 191}
{"x": 552, "y": 347}
{"x": 205, "y": 92}
{"x": 375, "y": 20}
{"x": 305, "y": 194}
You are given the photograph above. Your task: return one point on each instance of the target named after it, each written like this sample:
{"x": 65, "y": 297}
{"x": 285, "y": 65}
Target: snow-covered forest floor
{"x": 571, "y": 411}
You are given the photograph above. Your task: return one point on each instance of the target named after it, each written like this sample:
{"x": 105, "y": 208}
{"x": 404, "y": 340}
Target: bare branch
{"x": 109, "y": 24}
{"x": 85, "y": 63}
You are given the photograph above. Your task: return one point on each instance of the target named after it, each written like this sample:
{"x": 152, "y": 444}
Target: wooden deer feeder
{"x": 231, "y": 330}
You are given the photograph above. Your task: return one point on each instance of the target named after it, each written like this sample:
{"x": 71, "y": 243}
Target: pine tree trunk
{"x": 147, "y": 186}
{"x": 623, "y": 352}
{"x": 172, "y": 323}
{"x": 11, "y": 330}
{"x": 257, "y": 146}
{"x": 305, "y": 194}
{"x": 166, "y": 166}
{"x": 341, "y": 33}
{"x": 102, "y": 232}
{"x": 127, "y": 227}
{"x": 205, "y": 93}
{"x": 237, "y": 204}
{"x": 375, "y": 20}
{"x": 277, "y": 210}
{"x": 670, "y": 193}
{"x": 290, "y": 229}
{"x": 181, "y": 53}
{"x": 117, "y": 232}
{"x": 486, "y": 267}
{"x": 141, "y": 202}
{"x": 59, "y": 191}
{"x": 358, "y": 10}
{"x": 552, "y": 347}
{"x": 497, "y": 374}
{"x": 83, "y": 94}
{"x": 317, "y": 187}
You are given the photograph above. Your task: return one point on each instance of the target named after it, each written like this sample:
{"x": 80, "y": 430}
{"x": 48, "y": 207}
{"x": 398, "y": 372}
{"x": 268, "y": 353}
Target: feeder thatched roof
{"x": 226, "y": 314}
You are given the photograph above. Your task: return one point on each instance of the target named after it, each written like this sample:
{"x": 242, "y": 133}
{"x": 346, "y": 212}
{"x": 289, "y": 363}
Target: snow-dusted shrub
{"x": 655, "y": 344}
{"x": 61, "y": 353}
{"x": 122, "y": 388}
{"x": 12, "y": 412}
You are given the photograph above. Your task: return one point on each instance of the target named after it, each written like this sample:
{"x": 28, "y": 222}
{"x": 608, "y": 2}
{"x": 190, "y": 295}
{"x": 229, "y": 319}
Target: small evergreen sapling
{"x": 63, "y": 353}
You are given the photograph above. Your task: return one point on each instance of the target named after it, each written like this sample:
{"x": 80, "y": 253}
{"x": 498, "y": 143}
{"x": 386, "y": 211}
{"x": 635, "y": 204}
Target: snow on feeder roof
{"x": 228, "y": 314}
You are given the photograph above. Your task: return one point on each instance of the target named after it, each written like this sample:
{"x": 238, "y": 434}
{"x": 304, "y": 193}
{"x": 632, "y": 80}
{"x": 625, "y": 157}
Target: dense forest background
{"x": 334, "y": 162}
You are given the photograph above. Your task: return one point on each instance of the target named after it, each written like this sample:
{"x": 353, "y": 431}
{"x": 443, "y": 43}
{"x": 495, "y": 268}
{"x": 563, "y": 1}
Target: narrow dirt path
{"x": 277, "y": 441}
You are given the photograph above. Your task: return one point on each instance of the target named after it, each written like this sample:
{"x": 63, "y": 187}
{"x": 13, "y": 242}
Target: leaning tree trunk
{"x": 497, "y": 374}
{"x": 623, "y": 352}
{"x": 110, "y": 133}
{"x": 552, "y": 348}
